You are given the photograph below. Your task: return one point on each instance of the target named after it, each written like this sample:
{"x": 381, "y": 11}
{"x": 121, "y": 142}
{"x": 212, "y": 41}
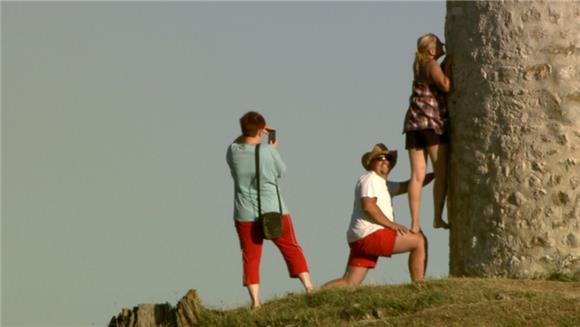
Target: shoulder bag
{"x": 271, "y": 222}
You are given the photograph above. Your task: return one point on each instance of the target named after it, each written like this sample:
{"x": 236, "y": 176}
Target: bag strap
{"x": 258, "y": 183}
{"x": 279, "y": 201}
{"x": 258, "y": 178}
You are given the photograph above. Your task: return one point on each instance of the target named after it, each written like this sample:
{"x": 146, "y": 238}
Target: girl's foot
{"x": 255, "y": 307}
{"x": 439, "y": 223}
{"x": 415, "y": 229}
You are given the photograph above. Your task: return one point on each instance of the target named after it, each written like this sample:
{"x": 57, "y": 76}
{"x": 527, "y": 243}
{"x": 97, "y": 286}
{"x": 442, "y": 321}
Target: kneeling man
{"x": 373, "y": 232}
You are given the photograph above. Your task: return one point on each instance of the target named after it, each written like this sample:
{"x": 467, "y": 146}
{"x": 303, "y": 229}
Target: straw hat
{"x": 378, "y": 149}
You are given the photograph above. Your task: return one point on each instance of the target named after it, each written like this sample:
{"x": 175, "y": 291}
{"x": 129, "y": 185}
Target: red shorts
{"x": 366, "y": 251}
{"x": 251, "y": 238}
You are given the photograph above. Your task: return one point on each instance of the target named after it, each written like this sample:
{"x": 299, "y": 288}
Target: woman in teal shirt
{"x": 241, "y": 160}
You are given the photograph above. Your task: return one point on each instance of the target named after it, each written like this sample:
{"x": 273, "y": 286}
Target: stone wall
{"x": 515, "y": 138}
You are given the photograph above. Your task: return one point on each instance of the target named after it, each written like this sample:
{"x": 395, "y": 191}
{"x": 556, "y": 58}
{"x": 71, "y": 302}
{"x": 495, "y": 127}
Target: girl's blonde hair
{"x": 424, "y": 43}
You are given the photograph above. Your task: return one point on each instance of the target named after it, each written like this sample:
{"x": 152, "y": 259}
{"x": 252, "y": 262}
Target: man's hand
{"x": 400, "y": 229}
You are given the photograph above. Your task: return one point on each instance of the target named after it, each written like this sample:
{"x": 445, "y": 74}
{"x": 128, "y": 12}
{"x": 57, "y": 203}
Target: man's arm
{"x": 403, "y": 187}
{"x": 370, "y": 207}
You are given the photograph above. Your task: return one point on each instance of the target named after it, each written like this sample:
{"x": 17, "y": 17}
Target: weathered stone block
{"x": 513, "y": 198}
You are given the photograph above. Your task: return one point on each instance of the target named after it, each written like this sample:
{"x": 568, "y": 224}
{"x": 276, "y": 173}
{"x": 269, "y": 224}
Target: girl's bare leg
{"x": 439, "y": 155}
{"x": 418, "y": 159}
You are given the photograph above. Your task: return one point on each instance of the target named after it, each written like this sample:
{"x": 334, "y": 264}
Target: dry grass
{"x": 445, "y": 302}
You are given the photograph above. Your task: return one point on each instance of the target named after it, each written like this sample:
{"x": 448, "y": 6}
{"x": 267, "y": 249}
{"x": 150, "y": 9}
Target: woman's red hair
{"x": 251, "y": 122}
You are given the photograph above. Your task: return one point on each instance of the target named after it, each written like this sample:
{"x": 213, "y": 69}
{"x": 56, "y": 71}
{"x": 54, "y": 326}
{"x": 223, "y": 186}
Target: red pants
{"x": 251, "y": 239}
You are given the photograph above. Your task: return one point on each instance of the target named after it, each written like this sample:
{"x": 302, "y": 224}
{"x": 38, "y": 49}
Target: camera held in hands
{"x": 272, "y": 136}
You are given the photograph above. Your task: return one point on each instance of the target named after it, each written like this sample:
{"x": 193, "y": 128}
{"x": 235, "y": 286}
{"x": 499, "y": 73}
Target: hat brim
{"x": 368, "y": 157}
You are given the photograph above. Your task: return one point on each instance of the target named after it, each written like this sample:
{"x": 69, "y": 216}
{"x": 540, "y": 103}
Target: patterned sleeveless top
{"x": 427, "y": 109}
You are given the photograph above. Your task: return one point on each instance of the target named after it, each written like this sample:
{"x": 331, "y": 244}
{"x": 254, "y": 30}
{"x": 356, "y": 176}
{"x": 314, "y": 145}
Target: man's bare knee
{"x": 421, "y": 238}
{"x": 419, "y": 241}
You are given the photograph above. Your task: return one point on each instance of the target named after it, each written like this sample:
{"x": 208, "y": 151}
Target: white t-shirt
{"x": 370, "y": 185}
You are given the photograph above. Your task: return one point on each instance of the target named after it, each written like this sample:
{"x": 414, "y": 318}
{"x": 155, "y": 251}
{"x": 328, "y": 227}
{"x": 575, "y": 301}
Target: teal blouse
{"x": 242, "y": 163}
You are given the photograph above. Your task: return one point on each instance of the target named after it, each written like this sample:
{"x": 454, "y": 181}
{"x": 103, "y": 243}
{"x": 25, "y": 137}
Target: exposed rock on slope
{"x": 187, "y": 314}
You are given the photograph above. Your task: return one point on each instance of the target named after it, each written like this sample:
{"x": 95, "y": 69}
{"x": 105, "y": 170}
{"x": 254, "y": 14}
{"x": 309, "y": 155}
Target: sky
{"x": 116, "y": 117}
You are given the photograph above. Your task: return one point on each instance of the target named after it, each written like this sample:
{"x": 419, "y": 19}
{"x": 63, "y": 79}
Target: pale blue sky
{"x": 115, "y": 121}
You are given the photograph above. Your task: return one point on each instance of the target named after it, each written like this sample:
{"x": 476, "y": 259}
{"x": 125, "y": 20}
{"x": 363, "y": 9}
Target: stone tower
{"x": 515, "y": 138}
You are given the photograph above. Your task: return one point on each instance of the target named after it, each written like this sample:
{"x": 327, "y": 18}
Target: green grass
{"x": 445, "y": 302}
{"x": 563, "y": 277}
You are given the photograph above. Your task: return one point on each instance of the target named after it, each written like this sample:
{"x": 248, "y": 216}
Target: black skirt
{"x": 424, "y": 138}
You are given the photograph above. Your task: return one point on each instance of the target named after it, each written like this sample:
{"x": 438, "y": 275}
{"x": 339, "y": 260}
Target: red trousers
{"x": 251, "y": 239}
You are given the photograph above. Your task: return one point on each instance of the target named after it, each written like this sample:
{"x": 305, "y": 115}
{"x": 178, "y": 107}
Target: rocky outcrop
{"x": 189, "y": 310}
{"x": 186, "y": 314}
{"x": 514, "y": 199}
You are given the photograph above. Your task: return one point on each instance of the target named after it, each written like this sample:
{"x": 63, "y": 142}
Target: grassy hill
{"x": 445, "y": 302}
